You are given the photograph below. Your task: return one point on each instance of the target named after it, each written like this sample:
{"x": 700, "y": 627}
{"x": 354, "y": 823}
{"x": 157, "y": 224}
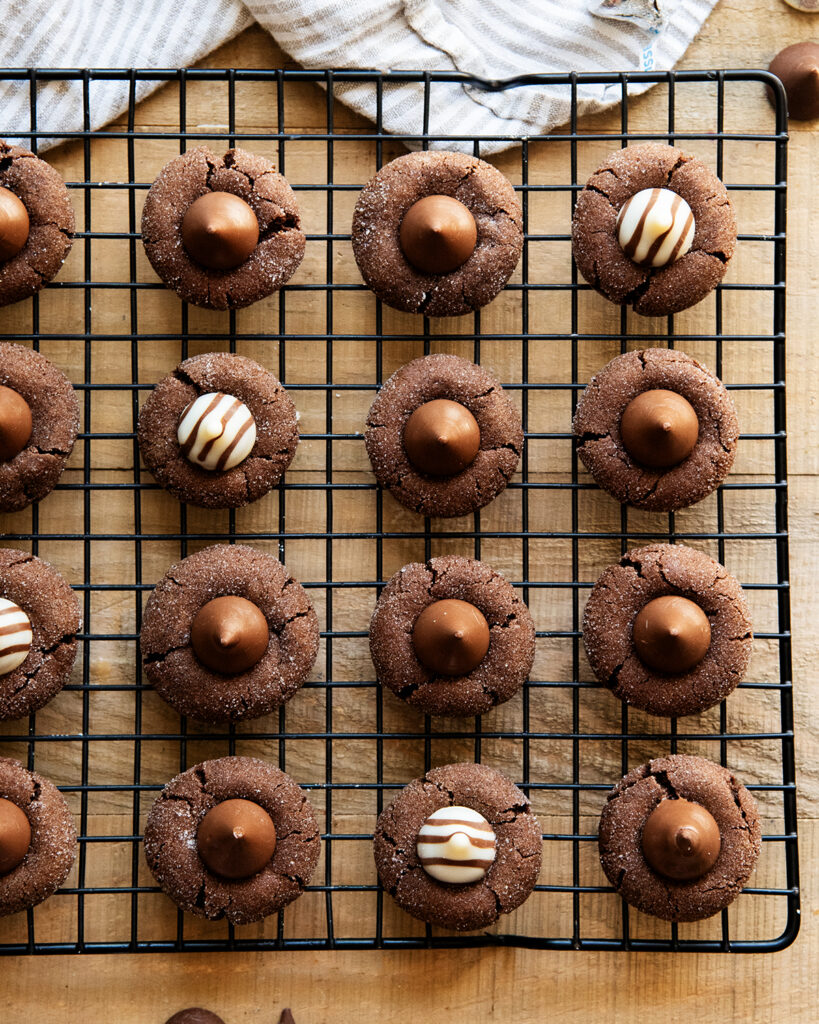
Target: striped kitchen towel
{"x": 488, "y": 38}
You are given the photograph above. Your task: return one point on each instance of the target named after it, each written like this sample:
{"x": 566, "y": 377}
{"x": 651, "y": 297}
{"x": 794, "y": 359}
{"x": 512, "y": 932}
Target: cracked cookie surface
{"x": 173, "y": 823}
{"x": 380, "y": 209}
{"x": 53, "y": 838}
{"x": 504, "y": 668}
{"x": 54, "y": 613}
{"x": 51, "y": 223}
{"x": 254, "y": 179}
{"x": 641, "y": 575}
{"x": 596, "y": 426}
{"x": 168, "y": 657}
{"x": 627, "y": 809}
{"x": 601, "y": 260}
{"x": 277, "y": 432}
{"x": 55, "y": 420}
{"x": 420, "y": 381}
{"x": 509, "y": 879}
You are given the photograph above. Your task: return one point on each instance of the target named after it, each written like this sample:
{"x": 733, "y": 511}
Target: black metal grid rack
{"x": 720, "y": 528}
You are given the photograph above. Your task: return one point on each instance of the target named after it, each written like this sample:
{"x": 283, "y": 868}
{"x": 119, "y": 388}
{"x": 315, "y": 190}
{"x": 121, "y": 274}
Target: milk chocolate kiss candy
{"x": 442, "y": 437}
{"x": 438, "y": 234}
{"x": 681, "y": 840}
{"x": 15, "y": 836}
{"x": 15, "y": 423}
{"x": 451, "y": 637}
{"x": 797, "y": 67}
{"x": 194, "y": 1015}
{"x": 671, "y": 634}
{"x": 659, "y": 428}
{"x": 220, "y": 230}
{"x": 13, "y": 224}
{"x": 236, "y": 838}
{"x": 229, "y": 634}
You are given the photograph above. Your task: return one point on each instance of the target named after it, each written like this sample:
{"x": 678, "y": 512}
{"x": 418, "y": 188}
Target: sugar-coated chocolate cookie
{"x": 272, "y": 260}
{"x": 377, "y": 238}
{"x": 499, "y": 674}
{"x": 624, "y": 818}
{"x": 600, "y": 444}
{"x": 429, "y": 379}
{"x": 53, "y": 839}
{"x": 600, "y": 258}
{"x": 49, "y": 642}
{"x": 506, "y": 883}
{"x": 624, "y": 589}
{"x": 46, "y": 228}
{"x": 168, "y": 654}
{"x": 172, "y": 848}
{"x": 264, "y": 399}
{"x": 30, "y": 469}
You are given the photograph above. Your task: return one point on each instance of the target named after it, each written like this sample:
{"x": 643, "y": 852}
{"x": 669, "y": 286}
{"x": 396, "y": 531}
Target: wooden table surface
{"x": 510, "y": 984}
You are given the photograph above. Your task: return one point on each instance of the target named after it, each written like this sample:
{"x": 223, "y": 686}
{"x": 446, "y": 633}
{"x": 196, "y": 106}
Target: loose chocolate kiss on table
{"x": 797, "y": 67}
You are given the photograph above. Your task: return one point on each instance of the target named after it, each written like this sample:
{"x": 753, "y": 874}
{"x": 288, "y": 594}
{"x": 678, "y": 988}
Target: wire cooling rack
{"x": 110, "y": 743}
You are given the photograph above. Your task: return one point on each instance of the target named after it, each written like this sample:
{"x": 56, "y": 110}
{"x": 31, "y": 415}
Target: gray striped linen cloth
{"x": 487, "y": 38}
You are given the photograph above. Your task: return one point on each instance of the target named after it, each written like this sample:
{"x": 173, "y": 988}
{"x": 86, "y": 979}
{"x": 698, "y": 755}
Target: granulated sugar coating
{"x": 508, "y": 881}
{"x": 600, "y": 447}
{"x": 641, "y": 575}
{"x": 53, "y": 838}
{"x": 170, "y": 662}
{"x": 627, "y": 809}
{"x": 601, "y": 260}
{"x": 254, "y": 179}
{"x": 51, "y": 223}
{"x": 173, "y": 823}
{"x": 381, "y": 207}
{"x": 423, "y": 380}
{"x": 504, "y": 668}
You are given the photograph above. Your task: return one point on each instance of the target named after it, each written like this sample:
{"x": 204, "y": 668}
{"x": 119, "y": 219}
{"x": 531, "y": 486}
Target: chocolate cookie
{"x": 46, "y": 834}
{"x": 394, "y": 642}
{"x": 511, "y": 874}
{"x": 39, "y": 419}
{"x": 176, "y": 447}
{"x": 622, "y": 837}
{"x": 616, "y": 459}
{"x": 484, "y": 247}
{"x": 606, "y": 264}
{"x": 38, "y": 223}
{"x": 210, "y": 260}
{"x": 170, "y": 657}
{"x": 37, "y": 655}
{"x": 452, "y": 491}
{"x": 612, "y": 614}
{"x": 172, "y": 840}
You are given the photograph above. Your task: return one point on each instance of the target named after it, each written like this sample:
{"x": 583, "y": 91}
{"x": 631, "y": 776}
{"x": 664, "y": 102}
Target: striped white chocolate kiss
{"x": 456, "y": 845}
{"x": 655, "y": 227}
{"x": 216, "y": 431}
{"x": 15, "y": 636}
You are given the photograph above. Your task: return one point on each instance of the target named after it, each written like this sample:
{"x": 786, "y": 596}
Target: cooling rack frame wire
{"x": 323, "y": 793}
